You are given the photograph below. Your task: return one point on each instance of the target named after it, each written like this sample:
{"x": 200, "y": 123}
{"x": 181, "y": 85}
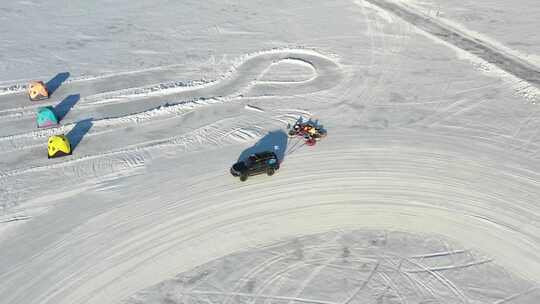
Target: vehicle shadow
{"x": 66, "y": 105}
{"x": 78, "y": 132}
{"x": 275, "y": 141}
{"x": 56, "y": 82}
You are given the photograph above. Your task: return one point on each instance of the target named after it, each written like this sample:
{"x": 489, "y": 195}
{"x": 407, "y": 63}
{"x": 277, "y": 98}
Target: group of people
{"x": 309, "y": 130}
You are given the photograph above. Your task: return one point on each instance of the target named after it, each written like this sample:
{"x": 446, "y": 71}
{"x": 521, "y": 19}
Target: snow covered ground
{"x": 493, "y": 20}
{"x": 424, "y": 191}
{"x": 344, "y": 267}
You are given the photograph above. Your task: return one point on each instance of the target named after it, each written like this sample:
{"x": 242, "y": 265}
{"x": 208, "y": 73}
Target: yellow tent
{"x": 37, "y": 90}
{"x": 58, "y": 146}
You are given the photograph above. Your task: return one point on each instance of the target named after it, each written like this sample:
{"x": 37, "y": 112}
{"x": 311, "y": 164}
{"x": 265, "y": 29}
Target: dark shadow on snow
{"x": 78, "y": 132}
{"x": 273, "y": 141}
{"x": 56, "y": 82}
{"x": 66, "y": 105}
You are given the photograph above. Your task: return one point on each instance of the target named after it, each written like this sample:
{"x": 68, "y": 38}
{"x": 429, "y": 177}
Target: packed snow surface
{"x": 424, "y": 191}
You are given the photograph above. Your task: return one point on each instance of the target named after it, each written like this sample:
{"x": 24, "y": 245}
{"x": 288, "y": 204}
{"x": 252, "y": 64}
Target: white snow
{"x": 424, "y": 191}
{"x": 494, "y": 21}
{"x": 379, "y": 266}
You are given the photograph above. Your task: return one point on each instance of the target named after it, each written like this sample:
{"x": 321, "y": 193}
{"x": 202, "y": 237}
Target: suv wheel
{"x": 243, "y": 177}
{"x": 270, "y": 171}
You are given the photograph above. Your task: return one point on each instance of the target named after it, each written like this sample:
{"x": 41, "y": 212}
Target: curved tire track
{"x": 101, "y": 102}
{"x": 392, "y": 183}
{"x": 513, "y": 65}
{"x": 163, "y": 106}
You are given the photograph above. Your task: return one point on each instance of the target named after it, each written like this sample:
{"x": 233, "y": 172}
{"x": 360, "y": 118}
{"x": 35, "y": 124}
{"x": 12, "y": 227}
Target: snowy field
{"x": 426, "y": 189}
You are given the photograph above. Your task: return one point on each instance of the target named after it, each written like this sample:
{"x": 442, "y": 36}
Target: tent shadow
{"x": 56, "y": 82}
{"x": 78, "y": 132}
{"x": 66, "y": 105}
{"x": 275, "y": 141}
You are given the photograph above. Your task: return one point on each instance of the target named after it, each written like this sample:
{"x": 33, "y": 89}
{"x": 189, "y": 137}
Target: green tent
{"x": 46, "y": 117}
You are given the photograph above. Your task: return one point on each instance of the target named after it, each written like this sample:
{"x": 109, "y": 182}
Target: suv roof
{"x": 265, "y": 155}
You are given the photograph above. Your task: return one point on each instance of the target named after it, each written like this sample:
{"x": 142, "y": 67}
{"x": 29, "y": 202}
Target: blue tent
{"x": 46, "y": 117}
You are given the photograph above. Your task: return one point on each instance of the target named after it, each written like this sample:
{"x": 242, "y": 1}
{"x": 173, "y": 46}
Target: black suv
{"x": 258, "y": 163}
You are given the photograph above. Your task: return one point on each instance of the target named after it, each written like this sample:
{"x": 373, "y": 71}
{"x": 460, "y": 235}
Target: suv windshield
{"x": 250, "y": 161}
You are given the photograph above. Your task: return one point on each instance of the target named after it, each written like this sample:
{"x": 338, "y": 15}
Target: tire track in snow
{"x": 375, "y": 178}
{"x": 35, "y": 138}
{"x": 381, "y": 262}
{"x": 263, "y": 266}
{"x": 459, "y": 294}
{"x": 197, "y": 136}
{"x": 371, "y": 269}
{"x": 129, "y": 155}
{"x": 278, "y": 276}
{"x": 255, "y": 297}
{"x": 515, "y": 66}
{"x": 518, "y": 295}
{"x": 450, "y": 267}
{"x": 15, "y": 99}
{"x": 225, "y": 131}
{"x": 109, "y": 81}
{"x": 154, "y": 107}
{"x": 241, "y": 80}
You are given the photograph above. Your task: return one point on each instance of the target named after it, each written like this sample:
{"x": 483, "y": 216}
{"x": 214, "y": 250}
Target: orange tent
{"x": 37, "y": 90}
